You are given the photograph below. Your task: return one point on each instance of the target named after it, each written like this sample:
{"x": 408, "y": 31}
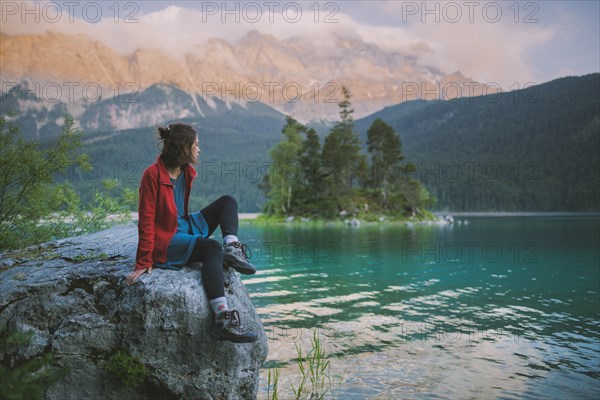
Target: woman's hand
{"x": 131, "y": 278}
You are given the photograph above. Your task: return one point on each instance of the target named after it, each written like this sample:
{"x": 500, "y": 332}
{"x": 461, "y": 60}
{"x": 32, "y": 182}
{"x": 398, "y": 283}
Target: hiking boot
{"x": 235, "y": 255}
{"x": 229, "y": 328}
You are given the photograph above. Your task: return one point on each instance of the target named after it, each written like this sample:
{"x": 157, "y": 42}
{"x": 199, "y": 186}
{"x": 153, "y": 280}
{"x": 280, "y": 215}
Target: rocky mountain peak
{"x": 298, "y": 76}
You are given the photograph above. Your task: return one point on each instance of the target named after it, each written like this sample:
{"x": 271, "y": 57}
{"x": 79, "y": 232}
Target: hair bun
{"x": 164, "y": 133}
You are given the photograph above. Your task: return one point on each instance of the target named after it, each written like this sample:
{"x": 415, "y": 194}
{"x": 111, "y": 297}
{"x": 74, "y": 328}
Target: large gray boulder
{"x": 71, "y": 294}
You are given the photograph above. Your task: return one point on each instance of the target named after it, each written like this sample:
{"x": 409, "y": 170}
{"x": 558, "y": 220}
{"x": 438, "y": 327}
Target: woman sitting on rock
{"x": 170, "y": 237}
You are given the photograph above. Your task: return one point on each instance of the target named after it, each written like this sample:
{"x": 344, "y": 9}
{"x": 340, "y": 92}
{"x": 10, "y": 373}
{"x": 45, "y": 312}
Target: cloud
{"x": 486, "y": 52}
{"x": 173, "y": 28}
{"x": 487, "y": 41}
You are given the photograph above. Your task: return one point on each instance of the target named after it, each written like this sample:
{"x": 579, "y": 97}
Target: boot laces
{"x": 234, "y": 317}
{"x": 245, "y": 250}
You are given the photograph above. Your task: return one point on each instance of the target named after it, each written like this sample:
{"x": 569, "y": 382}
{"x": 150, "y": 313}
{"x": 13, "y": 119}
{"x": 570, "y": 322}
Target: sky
{"x": 511, "y": 43}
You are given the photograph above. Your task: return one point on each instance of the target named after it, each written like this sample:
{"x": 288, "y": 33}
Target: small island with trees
{"x": 335, "y": 181}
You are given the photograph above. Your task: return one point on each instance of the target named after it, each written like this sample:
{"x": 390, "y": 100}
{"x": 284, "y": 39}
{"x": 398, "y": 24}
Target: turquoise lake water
{"x": 489, "y": 307}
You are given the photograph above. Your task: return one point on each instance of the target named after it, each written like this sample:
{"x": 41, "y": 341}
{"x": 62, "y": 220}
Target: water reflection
{"x": 420, "y": 321}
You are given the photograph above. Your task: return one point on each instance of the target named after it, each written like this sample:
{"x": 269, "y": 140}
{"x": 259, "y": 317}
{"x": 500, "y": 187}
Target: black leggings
{"x": 223, "y": 212}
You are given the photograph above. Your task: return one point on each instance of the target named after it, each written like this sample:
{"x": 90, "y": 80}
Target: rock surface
{"x": 71, "y": 294}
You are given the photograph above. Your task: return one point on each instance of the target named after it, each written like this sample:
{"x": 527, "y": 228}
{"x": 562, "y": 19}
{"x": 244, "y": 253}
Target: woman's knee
{"x": 229, "y": 200}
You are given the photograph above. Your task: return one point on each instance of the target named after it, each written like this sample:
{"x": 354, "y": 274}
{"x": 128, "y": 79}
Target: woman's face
{"x": 195, "y": 151}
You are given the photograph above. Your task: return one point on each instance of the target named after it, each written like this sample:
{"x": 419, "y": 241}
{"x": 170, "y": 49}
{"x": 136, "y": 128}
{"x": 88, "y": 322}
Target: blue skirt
{"x": 182, "y": 244}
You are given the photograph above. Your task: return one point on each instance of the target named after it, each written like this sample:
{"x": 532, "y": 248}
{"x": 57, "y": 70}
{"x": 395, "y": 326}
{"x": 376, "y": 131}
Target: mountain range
{"x": 528, "y": 150}
{"x": 294, "y": 76}
{"x": 534, "y": 149}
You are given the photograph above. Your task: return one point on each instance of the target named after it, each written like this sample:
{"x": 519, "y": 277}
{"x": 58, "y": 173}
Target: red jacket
{"x": 158, "y": 213}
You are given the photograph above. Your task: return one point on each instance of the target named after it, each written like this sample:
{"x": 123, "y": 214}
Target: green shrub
{"x": 34, "y": 206}
{"x": 127, "y": 368}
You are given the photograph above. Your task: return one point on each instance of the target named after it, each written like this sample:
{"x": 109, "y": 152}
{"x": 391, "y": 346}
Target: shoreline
{"x": 252, "y": 216}
{"x": 437, "y": 218}
{"x": 248, "y": 216}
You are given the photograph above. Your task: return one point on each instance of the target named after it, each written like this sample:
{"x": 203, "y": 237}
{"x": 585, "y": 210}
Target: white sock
{"x": 229, "y": 239}
{"x": 219, "y": 305}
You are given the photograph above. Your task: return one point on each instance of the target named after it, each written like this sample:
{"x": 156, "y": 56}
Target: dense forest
{"x": 535, "y": 149}
{"x": 233, "y": 156}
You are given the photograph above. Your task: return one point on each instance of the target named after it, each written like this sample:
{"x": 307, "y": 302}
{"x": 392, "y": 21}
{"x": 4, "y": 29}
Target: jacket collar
{"x": 163, "y": 175}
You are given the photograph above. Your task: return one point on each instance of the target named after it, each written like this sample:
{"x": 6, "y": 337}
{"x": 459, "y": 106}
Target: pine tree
{"x": 310, "y": 160}
{"x": 341, "y": 158}
{"x": 347, "y": 120}
{"x": 385, "y": 148}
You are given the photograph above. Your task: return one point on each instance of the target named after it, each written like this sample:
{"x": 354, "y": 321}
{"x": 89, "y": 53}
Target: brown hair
{"x": 177, "y": 141}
